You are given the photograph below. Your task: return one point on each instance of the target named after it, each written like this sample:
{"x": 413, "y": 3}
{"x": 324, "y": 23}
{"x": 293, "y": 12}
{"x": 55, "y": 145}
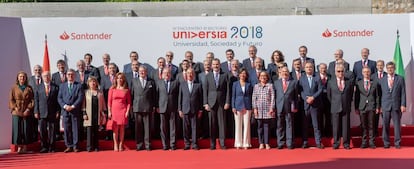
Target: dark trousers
{"x": 47, "y": 133}
{"x": 203, "y": 128}
{"x": 167, "y": 127}
{"x": 376, "y": 123}
{"x": 263, "y": 126}
{"x": 190, "y": 129}
{"x": 71, "y": 124}
{"x": 229, "y": 123}
{"x": 396, "y": 120}
{"x": 92, "y": 139}
{"x": 21, "y": 131}
{"x": 311, "y": 114}
{"x": 367, "y": 124}
{"x": 142, "y": 129}
{"x": 217, "y": 123}
{"x": 341, "y": 122}
{"x": 325, "y": 120}
{"x": 284, "y": 131}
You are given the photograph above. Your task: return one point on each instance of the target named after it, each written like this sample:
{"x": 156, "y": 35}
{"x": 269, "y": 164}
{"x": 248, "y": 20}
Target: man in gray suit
{"x": 310, "y": 90}
{"x": 393, "y": 104}
{"x": 286, "y": 105}
{"x": 47, "y": 111}
{"x": 144, "y": 99}
{"x": 216, "y": 99}
{"x": 367, "y": 105}
{"x": 339, "y": 55}
{"x": 167, "y": 106}
{"x": 340, "y": 91}
{"x": 36, "y": 79}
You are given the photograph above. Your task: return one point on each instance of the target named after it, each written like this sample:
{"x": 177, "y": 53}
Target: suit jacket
{"x": 392, "y": 98}
{"x": 315, "y": 90}
{"x": 32, "y": 82}
{"x": 324, "y": 86}
{"x": 358, "y": 68}
{"x": 20, "y": 100}
{"x": 94, "y": 71}
{"x": 225, "y": 66}
{"x": 56, "y": 78}
{"x": 167, "y": 100}
{"x": 174, "y": 71}
{"x": 83, "y": 82}
{"x": 340, "y": 100}
{"x": 248, "y": 64}
{"x": 47, "y": 105}
{"x": 293, "y": 75}
{"x": 129, "y": 76}
{"x": 374, "y": 76}
{"x": 285, "y": 100}
{"x": 253, "y": 79}
{"x": 241, "y": 100}
{"x": 307, "y": 59}
{"x": 74, "y": 97}
{"x": 144, "y": 97}
{"x": 155, "y": 75}
{"x": 190, "y": 102}
{"x": 331, "y": 67}
{"x": 213, "y": 94}
{"x": 367, "y": 100}
{"x": 201, "y": 78}
{"x": 197, "y": 67}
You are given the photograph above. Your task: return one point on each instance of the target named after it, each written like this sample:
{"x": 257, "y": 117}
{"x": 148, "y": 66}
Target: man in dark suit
{"x": 233, "y": 76}
{"x": 59, "y": 77}
{"x": 325, "y": 110}
{"x": 254, "y": 73}
{"x": 362, "y": 63}
{"x": 167, "y": 106}
{"x": 296, "y": 74}
{"x": 184, "y": 65}
{"x": 303, "y": 51}
{"x": 93, "y": 71}
{"x": 190, "y": 100}
{"x": 197, "y": 67}
{"x": 157, "y": 73}
{"x": 47, "y": 111}
{"x": 82, "y": 74}
{"x": 134, "y": 74}
{"x": 70, "y": 98}
{"x": 169, "y": 56}
{"x": 204, "y": 127}
{"x": 379, "y": 74}
{"x": 393, "y": 104}
{"x": 134, "y": 56}
{"x": 104, "y": 69}
{"x": 367, "y": 105}
{"x": 311, "y": 88}
{"x": 144, "y": 98}
{"x": 339, "y": 54}
{"x": 216, "y": 99}
{"x": 249, "y": 62}
{"x": 340, "y": 92}
{"x": 226, "y": 65}
{"x": 286, "y": 105}
{"x": 36, "y": 79}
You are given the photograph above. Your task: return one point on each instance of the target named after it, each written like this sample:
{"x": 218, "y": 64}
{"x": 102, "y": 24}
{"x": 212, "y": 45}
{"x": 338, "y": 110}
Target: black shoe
{"x": 44, "y": 150}
{"x": 196, "y": 147}
{"x": 186, "y": 147}
{"x": 148, "y": 149}
{"x": 320, "y": 146}
{"x": 372, "y": 146}
{"x": 212, "y": 147}
{"x": 305, "y": 145}
{"x": 279, "y": 147}
{"x": 397, "y": 146}
{"x": 165, "y": 148}
{"x": 51, "y": 150}
{"x": 173, "y": 148}
{"x": 347, "y": 148}
{"x": 386, "y": 146}
{"x": 96, "y": 149}
{"x": 89, "y": 150}
{"x": 335, "y": 147}
{"x": 363, "y": 146}
{"x": 223, "y": 147}
{"x": 290, "y": 147}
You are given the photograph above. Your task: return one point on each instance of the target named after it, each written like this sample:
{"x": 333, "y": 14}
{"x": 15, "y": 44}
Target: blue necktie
{"x": 310, "y": 81}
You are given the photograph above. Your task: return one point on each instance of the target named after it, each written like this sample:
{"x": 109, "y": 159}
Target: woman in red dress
{"x": 119, "y": 103}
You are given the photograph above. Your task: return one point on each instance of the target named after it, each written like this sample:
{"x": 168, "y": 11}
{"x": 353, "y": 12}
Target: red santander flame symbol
{"x": 327, "y": 34}
{"x": 64, "y": 36}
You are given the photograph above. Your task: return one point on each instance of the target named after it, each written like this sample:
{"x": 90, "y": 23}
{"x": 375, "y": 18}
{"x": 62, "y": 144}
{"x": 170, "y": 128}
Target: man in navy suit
{"x": 167, "y": 106}
{"x": 303, "y": 51}
{"x": 249, "y": 62}
{"x": 70, "y": 98}
{"x": 339, "y": 55}
{"x": 311, "y": 88}
{"x": 190, "y": 100}
{"x": 379, "y": 74}
{"x": 340, "y": 92}
{"x": 134, "y": 56}
{"x": 362, "y": 63}
{"x": 286, "y": 105}
{"x": 169, "y": 56}
{"x": 226, "y": 65}
{"x": 93, "y": 71}
{"x": 296, "y": 74}
{"x": 393, "y": 104}
{"x": 47, "y": 111}
{"x": 216, "y": 99}
{"x": 59, "y": 77}
{"x": 253, "y": 73}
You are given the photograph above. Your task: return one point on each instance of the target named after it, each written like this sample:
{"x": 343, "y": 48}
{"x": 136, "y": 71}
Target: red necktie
{"x": 324, "y": 80}
{"x": 340, "y": 85}
{"x": 62, "y": 77}
{"x": 37, "y": 81}
{"x": 47, "y": 89}
{"x": 106, "y": 70}
{"x": 366, "y": 85}
{"x": 391, "y": 82}
{"x": 297, "y": 75}
{"x": 284, "y": 85}
{"x": 380, "y": 75}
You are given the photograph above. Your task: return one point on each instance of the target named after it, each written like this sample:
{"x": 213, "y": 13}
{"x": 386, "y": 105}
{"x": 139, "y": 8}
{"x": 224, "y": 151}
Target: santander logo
{"x": 336, "y": 33}
{"x": 85, "y": 36}
{"x": 64, "y": 36}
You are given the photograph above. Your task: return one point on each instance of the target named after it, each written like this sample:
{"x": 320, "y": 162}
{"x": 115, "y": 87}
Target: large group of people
{"x": 207, "y": 99}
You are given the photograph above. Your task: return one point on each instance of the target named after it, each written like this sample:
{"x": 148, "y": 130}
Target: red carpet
{"x": 288, "y": 159}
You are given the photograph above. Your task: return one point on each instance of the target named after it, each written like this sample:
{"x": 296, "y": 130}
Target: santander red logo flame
{"x": 327, "y": 33}
{"x": 64, "y": 36}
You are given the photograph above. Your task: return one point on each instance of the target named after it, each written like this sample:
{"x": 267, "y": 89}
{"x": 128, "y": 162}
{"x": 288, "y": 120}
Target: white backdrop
{"x": 152, "y": 37}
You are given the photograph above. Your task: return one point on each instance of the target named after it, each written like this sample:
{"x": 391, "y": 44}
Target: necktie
{"x": 391, "y": 82}
{"x": 166, "y": 86}
{"x": 366, "y": 85}
{"x": 252, "y": 63}
{"x": 216, "y": 78}
{"x": 88, "y": 67}
{"x": 379, "y": 75}
{"x": 310, "y": 81}
{"x": 190, "y": 86}
{"x": 62, "y": 77}
{"x": 81, "y": 77}
{"x": 297, "y": 75}
{"x": 135, "y": 74}
{"x": 229, "y": 66}
{"x": 364, "y": 63}
{"x": 106, "y": 70}
{"x": 47, "y": 89}
{"x": 284, "y": 85}
{"x": 70, "y": 87}
{"x": 340, "y": 85}
{"x": 324, "y": 80}
{"x": 37, "y": 81}
{"x": 143, "y": 83}
{"x": 303, "y": 62}
{"x": 160, "y": 73}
